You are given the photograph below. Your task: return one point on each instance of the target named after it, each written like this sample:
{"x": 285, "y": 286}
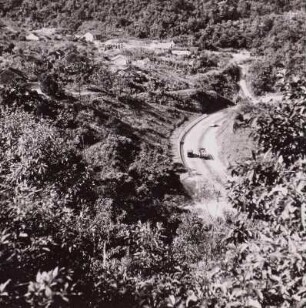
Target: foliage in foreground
{"x": 64, "y": 245}
{"x": 270, "y": 188}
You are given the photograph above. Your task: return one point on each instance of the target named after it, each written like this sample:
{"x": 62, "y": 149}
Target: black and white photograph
{"x": 152, "y": 154}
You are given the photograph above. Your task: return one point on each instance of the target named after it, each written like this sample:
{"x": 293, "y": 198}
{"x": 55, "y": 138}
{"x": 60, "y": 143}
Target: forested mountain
{"x": 153, "y": 18}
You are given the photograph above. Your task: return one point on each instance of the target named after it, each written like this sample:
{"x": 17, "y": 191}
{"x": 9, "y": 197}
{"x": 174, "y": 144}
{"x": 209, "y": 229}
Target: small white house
{"x": 162, "y": 45}
{"x": 32, "y": 37}
{"x": 181, "y": 53}
{"x": 89, "y": 37}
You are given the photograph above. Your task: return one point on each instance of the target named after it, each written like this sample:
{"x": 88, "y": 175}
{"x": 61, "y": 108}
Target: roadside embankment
{"x": 235, "y": 144}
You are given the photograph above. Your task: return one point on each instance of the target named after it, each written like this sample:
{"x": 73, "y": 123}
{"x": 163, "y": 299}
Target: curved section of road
{"x": 206, "y": 179}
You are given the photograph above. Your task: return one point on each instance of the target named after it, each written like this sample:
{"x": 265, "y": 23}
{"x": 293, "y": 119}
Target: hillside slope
{"x": 91, "y": 207}
{"x": 144, "y": 17}
{"x": 274, "y": 30}
{"x": 86, "y": 170}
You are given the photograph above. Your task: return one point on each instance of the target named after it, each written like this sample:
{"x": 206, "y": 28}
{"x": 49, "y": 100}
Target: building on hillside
{"x": 111, "y": 45}
{"x": 32, "y": 37}
{"x": 194, "y": 49}
{"x": 89, "y": 37}
{"x": 121, "y": 60}
{"x": 181, "y": 53}
{"x": 162, "y": 46}
{"x": 98, "y": 36}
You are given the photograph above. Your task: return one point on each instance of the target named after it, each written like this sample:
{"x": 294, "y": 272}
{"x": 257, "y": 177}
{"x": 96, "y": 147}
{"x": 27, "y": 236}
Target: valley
{"x": 152, "y": 154}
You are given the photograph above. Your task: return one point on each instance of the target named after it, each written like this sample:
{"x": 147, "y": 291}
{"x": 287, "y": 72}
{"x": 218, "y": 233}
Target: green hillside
{"x": 148, "y": 18}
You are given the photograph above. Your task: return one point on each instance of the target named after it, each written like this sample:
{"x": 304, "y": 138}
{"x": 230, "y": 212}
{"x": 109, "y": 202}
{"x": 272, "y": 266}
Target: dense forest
{"x": 91, "y": 206}
{"x": 152, "y": 18}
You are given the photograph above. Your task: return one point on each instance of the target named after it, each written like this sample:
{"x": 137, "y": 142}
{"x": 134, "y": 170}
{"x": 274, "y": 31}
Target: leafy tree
{"x": 269, "y": 185}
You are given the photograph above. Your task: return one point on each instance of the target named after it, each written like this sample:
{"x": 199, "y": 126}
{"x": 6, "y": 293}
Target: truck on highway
{"x": 190, "y": 153}
{"x": 203, "y": 154}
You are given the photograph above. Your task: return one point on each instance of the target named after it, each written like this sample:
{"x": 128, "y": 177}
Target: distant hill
{"x": 272, "y": 30}
{"x": 145, "y": 17}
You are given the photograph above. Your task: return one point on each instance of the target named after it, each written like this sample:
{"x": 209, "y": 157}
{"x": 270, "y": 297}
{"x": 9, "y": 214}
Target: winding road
{"x": 206, "y": 179}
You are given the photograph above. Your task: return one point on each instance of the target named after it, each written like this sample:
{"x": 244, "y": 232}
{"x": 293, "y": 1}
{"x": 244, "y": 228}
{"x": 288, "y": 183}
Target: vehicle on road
{"x": 190, "y": 153}
{"x": 203, "y": 154}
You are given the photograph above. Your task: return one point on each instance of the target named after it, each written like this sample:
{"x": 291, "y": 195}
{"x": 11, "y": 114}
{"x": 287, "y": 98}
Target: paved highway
{"x": 206, "y": 179}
